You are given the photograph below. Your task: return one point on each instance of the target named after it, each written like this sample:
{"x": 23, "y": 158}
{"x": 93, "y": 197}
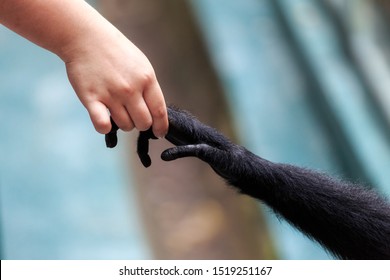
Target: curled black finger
{"x": 143, "y": 147}
{"x": 111, "y": 137}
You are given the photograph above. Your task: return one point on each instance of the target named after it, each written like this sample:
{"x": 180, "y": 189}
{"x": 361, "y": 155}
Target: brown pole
{"x": 188, "y": 211}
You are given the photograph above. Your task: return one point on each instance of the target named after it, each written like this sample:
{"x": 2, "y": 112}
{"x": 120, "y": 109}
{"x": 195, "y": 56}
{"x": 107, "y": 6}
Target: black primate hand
{"x": 192, "y": 139}
{"x": 111, "y": 137}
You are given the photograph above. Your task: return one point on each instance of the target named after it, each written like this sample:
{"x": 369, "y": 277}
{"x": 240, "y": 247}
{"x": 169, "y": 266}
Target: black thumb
{"x": 201, "y": 151}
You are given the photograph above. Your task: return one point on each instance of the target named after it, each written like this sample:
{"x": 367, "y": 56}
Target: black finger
{"x": 201, "y": 151}
{"x": 111, "y": 137}
{"x": 143, "y": 147}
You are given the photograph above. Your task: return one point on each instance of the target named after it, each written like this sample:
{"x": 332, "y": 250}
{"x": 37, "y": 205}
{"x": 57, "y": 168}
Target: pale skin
{"x": 106, "y": 70}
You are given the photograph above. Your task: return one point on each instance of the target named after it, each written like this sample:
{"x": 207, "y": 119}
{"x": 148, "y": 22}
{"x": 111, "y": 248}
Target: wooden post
{"x": 188, "y": 211}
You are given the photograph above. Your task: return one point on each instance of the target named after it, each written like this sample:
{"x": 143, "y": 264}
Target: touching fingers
{"x": 131, "y": 108}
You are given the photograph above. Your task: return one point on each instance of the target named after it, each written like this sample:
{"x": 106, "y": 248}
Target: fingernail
{"x": 159, "y": 135}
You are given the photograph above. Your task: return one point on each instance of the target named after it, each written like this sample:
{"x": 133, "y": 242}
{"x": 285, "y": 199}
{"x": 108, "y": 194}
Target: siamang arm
{"x": 351, "y": 221}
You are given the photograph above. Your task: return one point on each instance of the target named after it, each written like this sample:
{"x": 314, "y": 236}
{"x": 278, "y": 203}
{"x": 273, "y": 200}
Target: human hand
{"x": 107, "y": 71}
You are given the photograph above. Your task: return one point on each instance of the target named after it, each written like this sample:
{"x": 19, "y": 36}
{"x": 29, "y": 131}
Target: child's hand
{"x": 109, "y": 72}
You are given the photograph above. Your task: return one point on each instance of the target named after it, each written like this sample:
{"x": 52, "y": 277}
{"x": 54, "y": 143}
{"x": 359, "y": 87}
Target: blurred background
{"x": 305, "y": 82}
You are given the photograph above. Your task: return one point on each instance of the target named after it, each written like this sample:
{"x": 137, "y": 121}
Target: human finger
{"x": 140, "y": 114}
{"x": 154, "y": 100}
{"x": 121, "y": 117}
{"x": 99, "y": 116}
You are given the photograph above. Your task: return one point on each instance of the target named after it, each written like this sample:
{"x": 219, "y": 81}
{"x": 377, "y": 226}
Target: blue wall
{"x": 298, "y": 93}
{"x": 64, "y": 195}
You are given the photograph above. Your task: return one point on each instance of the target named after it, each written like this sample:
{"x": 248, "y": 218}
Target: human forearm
{"x": 59, "y": 26}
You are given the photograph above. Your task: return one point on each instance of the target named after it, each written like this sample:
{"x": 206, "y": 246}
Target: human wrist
{"x": 88, "y": 34}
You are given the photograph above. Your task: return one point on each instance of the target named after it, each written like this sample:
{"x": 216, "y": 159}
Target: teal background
{"x": 63, "y": 194}
{"x": 307, "y": 83}
{"x": 298, "y": 78}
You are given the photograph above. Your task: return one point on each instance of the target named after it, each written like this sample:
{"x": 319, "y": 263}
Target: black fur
{"x": 350, "y": 221}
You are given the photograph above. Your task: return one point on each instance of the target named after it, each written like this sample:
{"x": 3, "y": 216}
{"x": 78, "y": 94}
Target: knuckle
{"x": 159, "y": 113}
{"x": 148, "y": 77}
{"x": 130, "y": 87}
{"x": 126, "y": 88}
